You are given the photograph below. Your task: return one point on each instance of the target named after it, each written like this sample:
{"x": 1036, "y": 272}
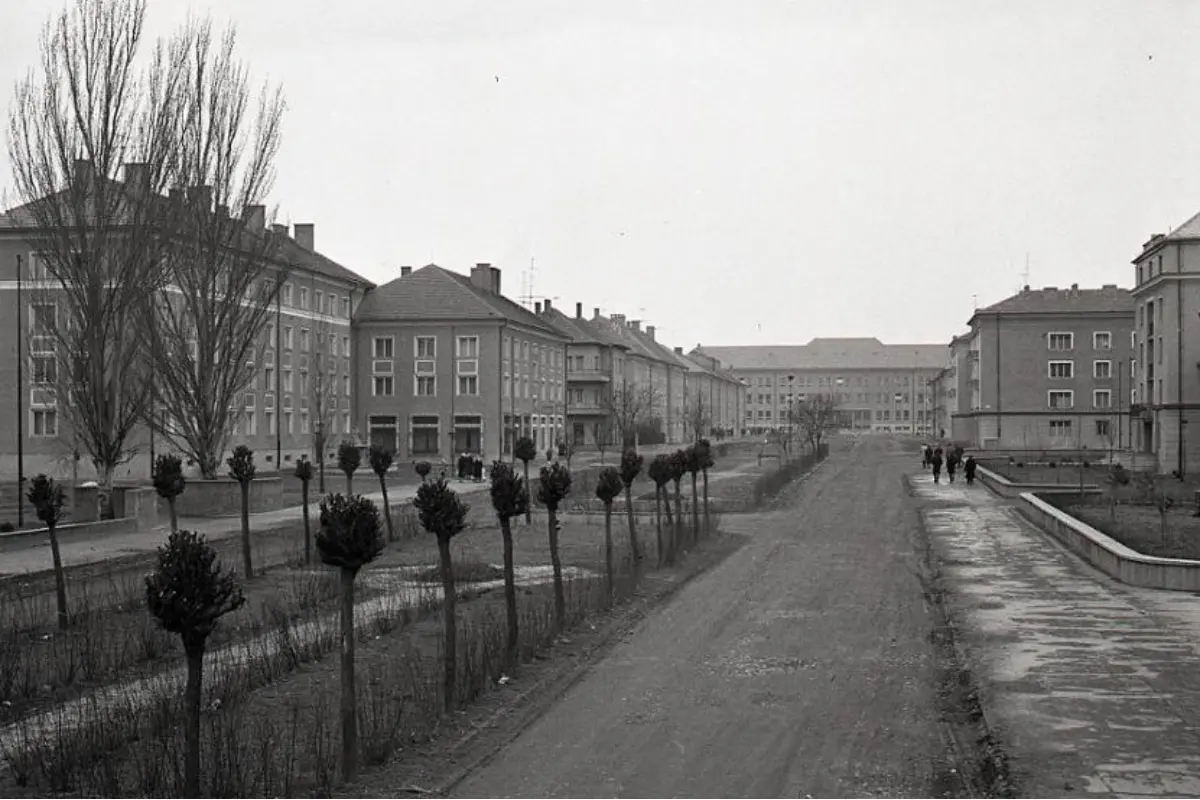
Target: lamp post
{"x": 20, "y": 405}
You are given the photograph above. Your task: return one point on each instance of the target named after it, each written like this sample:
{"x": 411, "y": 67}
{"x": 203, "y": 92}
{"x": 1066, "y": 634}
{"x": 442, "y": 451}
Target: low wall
{"x": 136, "y": 503}
{"x": 1107, "y": 554}
{"x": 1007, "y": 489}
{"x": 107, "y": 527}
{"x": 223, "y": 497}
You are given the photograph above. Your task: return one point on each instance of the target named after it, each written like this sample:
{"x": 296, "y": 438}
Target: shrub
{"x": 423, "y": 468}
{"x": 526, "y": 451}
{"x": 241, "y": 469}
{"x": 304, "y": 474}
{"x": 47, "y": 498}
{"x": 349, "y": 460}
{"x": 554, "y": 484}
{"x": 169, "y": 482}
{"x": 443, "y": 513}
{"x": 608, "y": 486}
{"x": 510, "y": 498}
{"x": 380, "y": 459}
{"x": 631, "y": 467}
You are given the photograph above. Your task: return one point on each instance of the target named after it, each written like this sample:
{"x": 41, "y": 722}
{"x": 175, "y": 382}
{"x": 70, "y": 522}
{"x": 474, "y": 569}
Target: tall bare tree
{"x": 697, "y": 417}
{"x": 817, "y": 417}
{"x": 84, "y": 113}
{"x": 628, "y": 406}
{"x": 322, "y": 393}
{"x": 225, "y": 266}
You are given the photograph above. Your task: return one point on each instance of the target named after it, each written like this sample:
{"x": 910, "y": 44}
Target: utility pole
{"x": 20, "y": 404}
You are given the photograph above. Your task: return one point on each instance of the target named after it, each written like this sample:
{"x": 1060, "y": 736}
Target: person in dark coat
{"x": 951, "y": 464}
{"x": 969, "y": 469}
{"x": 926, "y": 456}
{"x": 936, "y": 463}
{"x": 478, "y": 468}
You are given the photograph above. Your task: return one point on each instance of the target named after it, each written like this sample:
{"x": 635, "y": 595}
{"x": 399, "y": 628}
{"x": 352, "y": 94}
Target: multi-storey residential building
{"x": 945, "y": 388}
{"x": 308, "y": 334}
{"x": 653, "y": 368}
{"x": 1047, "y": 368}
{"x": 877, "y": 386}
{"x": 447, "y": 364}
{"x": 715, "y": 390}
{"x": 1166, "y": 383}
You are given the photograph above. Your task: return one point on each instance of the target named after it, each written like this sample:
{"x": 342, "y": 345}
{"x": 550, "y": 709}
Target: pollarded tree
{"x": 242, "y": 470}
{"x": 188, "y": 593}
{"x": 423, "y": 468}
{"x": 678, "y": 462}
{"x": 349, "y": 460}
{"x": 660, "y": 473}
{"x": 704, "y": 458}
{"x": 304, "y": 474}
{"x": 526, "y": 451}
{"x": 47, "y": 499}
{"x": 554, "y": 484}
{"x": 692, "y": 465}
{"x": 443, "y": 513}
{"x": 169, "y": 482}
{"x": 510, "y": 498}
{"x": 380, "y": 459}
{"x": 349, "y": 538}
{"x": 608, "y": 487}
{"x": 631, "y": 467}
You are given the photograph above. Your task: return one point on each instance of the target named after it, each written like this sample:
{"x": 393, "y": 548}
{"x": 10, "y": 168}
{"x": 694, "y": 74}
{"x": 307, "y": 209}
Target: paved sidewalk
{"x": 21, "y": 555}
{"x": 1092, "y": 685}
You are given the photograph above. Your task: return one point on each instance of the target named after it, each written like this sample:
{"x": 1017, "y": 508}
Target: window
{"x": 45, "y": 369}
{"x": 1133, "y": 340}
{"x": 269, "y": 379}
{"x": 346, "y": 346}
{"x": 346, "y": 385}
{"x": 468, "y": 347}
{"x": 248, "y": 400}
{"x": 303, "y": 382}
{"x": 287, "y": 380}
{"x": 269, "y": 418}
{"x": 318, "y": 299}
{"x": 1102, "y": 398}
{"x": 1103, "y": 429}
{"x": 43, "y": 317}
{"x": 45, "y": 422}
{"x": 383, "y": 386}
{"x": 1102, "y": 340}
{"x": 287, "y": 294}
{"x": 384, "y": 346}
{"x": 425, "y": 347}
{"x": 287, "y": 422}
{"x": 425, "y": 386}
{"x": 1101, "y": 369}
{"x": 251, "y": 424}
{"x": 1061, "y": 370}
{"x": 270, "y": 334}
{"x": 304, "y": 297}
{"x": 507, "y": 386}
{"x": 1061, "y": 341}
{"x": 346, "y": 307}
{"x": 287, "y": 337}
{"x": 1061, "y": 398}
{"x": 1060, "y": 429}
{"x": 468, "y": 385}
{"x": 304, "y": 340}
{"x": 424, "y": 435}
{"x": 303, "y": 422}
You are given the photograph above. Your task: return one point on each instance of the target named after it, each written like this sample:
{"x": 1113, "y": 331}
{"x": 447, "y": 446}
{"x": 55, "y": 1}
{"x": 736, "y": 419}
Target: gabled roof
{"x": 638, "y": 345}
{"x": 580, "y": 330}
{"x": 834, "y": 353}
{"x": 1109, "y": 299}
{"x": 437, "y": 294}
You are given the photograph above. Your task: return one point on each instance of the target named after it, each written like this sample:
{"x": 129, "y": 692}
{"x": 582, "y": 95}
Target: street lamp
{"x": 20, "y": 406}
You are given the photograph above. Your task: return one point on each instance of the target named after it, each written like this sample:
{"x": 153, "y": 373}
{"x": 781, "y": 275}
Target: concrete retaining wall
{"x": 1109, "y": 555}
{"x": 1006, "y": 488}
{"x": 223, "y": 497}
{"x": 95, "y": 529}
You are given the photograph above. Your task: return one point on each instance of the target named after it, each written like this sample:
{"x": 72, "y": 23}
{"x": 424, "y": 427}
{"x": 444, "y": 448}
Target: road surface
{"x": 802, "y": 665}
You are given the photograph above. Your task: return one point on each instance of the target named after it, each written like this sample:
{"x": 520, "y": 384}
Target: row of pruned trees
{"x": 156, "y": 282}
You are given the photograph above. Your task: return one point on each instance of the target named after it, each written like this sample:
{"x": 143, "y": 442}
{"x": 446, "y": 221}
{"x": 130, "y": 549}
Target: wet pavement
{"x": 1091, "y": 686}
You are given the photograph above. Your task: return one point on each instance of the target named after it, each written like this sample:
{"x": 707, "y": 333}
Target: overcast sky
{"x": 740, "y": 172}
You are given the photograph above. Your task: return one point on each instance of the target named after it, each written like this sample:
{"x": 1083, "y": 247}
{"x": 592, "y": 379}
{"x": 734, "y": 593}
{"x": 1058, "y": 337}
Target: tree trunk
{"x": 560, "y": 600}
{"x": 246, "y": 562}
{"x": 174, "y": 517}
{"x": 633, "y": 540}
{"x": 450, "y": 646}
{"x": 510, "y": 594}
{"x": 307, "y": 527}
{"x": 349, "y": 699}
{"x": 695, "y": 510}
{"x": 528, "y": 488}
{"x": 194, "y": 651}
{"x": 608, "y": 550}
{"x": 667, "y": 505}
{"x": 678, "y": 520}
{"x": 104, "y": 495}
{"x": 387, "y": 509}
{"x": 321, "y": 474}
{"x": 60, "y": 578}
{"x": 658, "y": 523}
{"x": 707, "y": 515}
{"x": 349, "y": 484}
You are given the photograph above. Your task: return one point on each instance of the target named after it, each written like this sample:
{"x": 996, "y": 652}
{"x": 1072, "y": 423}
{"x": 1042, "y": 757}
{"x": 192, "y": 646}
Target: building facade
{"x": 446, "y": 364}
{"x": 1047, "y": 369}
{"x": 1166, "y": 315}
{"x": 711, "y": 391}
{"x": 878, "y": 387}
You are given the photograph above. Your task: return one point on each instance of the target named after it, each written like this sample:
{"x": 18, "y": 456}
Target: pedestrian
{"x": 478, "y": 468}
{"x": 951, "y": 464}
{"x": 969, "y": 470}
{"x": 936, "y": 463}
{"x": 926, "y": 455}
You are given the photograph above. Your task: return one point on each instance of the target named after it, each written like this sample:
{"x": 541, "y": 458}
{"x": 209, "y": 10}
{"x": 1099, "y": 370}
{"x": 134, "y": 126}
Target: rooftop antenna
{"x": 527, "y": 291}
{"x": 1025, "y": 274}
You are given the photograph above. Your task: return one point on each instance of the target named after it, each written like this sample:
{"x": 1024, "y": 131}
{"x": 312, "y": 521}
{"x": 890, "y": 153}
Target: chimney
{"x": 618, "y": 319}
{"x": 1050, "y": 289}
{"x": 548, "y": 304}
{"x": 279, "y": 229}
{"x": 678, "y": 351}
{"x": 1074, "y": 287}
{"x": 537, "y": 308}
{"x": 481, "y": 277}
{"x": 255, "y": 217}
{"x": 650, "y": 331}
{"x": 495, "y": 279}
{"x": 1026, "y": 288}
{"x": 579, "y": 311}
{"x": 636, "y": 324}
{"x": 1109, "y": 286}
{"x": 201, "y": 196}
{"x": 303, "y": 231}
{"x": 595, "y": 313}
{"x": 137, "y": 176}
{"x": 405, "y": 272}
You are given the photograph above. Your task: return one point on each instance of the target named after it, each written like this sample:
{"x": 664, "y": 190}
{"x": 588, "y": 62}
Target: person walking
{"x": 969, "y": 470}
{"x": 926, "y": 456}
{"x": 951, "y": 464}
{"x": 936, "y": 463}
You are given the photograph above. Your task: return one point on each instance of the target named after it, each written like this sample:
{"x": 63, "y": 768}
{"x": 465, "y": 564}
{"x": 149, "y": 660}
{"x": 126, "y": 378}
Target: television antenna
{"x": 527, "y": 284}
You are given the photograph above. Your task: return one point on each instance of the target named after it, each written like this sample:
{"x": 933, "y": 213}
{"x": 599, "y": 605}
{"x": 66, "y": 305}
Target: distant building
{"x": 1047, "y": 369}
{"x": 878, "y": 386}
{"x": 1166, "y": 316}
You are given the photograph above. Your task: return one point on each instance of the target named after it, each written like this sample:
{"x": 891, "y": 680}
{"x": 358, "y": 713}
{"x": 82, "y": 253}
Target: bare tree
{"x": 85, "y": 112}
{"x": 697, "y": 418}
{"x": 322, "y": 390}
{"x": 224, "y": 265}
{"x": 628, "y": 406}
{"x": 816, "y": 417}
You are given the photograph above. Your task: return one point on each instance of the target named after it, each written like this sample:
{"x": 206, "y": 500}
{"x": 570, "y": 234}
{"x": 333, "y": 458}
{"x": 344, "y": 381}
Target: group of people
{"x": 935, "y": 457}
{"x": 470, "y": 467}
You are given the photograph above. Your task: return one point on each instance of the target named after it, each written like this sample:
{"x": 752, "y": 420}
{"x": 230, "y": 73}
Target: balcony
{"x": 586, "y": 408}
{"x": 588, "y": 376}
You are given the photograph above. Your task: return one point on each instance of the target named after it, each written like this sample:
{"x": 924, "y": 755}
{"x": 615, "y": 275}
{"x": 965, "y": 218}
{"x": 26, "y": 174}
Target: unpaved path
{"x": 802, "y": 665}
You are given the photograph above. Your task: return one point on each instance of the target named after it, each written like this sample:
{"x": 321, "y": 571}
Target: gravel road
{"x": 801, "y": 666}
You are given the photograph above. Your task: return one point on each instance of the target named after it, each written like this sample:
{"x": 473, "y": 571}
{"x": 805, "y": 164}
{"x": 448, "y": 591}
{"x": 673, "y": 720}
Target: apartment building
{"x": 1047, "y": 368}
{"x": 309, "y": 333}
{"x": 1165, "y": 414}
{"x": 649, "y": 366}
{"x": 945, "y": 388}
{"x": 447, "y": 364}
{"x": 715, "y": 390}
{"x": 877, "y": 386}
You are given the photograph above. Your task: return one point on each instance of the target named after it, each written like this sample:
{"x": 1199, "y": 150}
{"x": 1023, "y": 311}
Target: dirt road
{"x": 803, "y": 665}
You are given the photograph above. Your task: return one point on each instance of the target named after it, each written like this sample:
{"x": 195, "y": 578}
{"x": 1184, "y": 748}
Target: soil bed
{"x": 1140, "y": 528}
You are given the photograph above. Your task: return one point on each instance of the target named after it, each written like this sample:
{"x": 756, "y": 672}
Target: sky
{"x": 731, "y": 171}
